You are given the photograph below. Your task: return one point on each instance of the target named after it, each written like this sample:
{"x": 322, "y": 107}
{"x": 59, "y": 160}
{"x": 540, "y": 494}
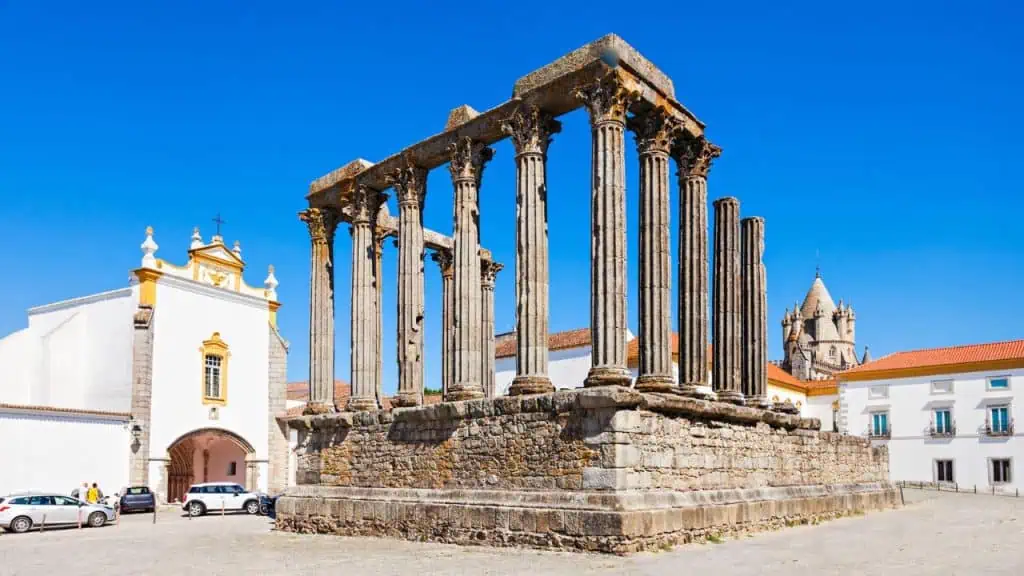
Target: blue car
{"x": 267, "y": 504}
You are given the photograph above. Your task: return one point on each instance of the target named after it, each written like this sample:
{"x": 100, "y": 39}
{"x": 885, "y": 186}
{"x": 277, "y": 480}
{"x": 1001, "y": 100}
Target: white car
{"x": 23, "y": 512}
{"x": 217, "y": 496}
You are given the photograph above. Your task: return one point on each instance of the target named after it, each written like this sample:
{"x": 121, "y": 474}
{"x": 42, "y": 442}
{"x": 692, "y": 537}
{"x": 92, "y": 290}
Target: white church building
{"x": 174, "y": 379}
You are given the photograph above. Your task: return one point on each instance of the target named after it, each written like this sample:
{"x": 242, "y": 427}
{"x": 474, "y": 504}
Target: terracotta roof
{"x": 505, "y": 344}
{"x": 69, "y": 411}
{"x": 779, "y": 375}
{"x": 944, "y": 360}
{"x": 342, "y": 390}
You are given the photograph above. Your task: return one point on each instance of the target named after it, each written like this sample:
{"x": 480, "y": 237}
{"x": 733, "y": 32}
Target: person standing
{"x": 81, "y": 493}
{"x": 93, "y": 495}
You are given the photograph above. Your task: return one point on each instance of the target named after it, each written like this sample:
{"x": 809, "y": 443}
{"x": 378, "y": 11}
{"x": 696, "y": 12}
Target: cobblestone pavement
{"x": 934, "y": 534}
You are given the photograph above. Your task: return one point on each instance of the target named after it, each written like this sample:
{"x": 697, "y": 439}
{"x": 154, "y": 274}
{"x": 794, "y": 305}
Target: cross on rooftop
{"x": 219, "y": 222}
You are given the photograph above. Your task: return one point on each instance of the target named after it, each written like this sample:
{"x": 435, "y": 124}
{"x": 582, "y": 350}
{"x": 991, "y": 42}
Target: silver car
{"x": 23, "y": 512}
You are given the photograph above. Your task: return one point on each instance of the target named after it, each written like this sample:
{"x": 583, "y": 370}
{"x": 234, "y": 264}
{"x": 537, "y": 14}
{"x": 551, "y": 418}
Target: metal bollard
{"x": 154, "y": 513}
{"x": 222, "y": 508}
{"x": 79, "y": 517}
{"x": 42, "y": 527}
{"x": 902, "y": 501}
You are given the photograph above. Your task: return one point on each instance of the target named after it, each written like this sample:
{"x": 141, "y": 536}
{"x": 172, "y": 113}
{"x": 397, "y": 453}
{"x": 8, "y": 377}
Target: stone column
{"x": 754, "y": 316}
{"x": 322, "y": 223}
{"x": 378, "y": 373}
{"x": 531, "y": 131}
{"x": 654, "y": 131}
{"x": 444, "y": 261}
{"x": 693, "y": 160}
{"x": 410, "y": 184}
{"x": 365, "y": 202}
{"x": 467, "y": 165}
{"x": 488, "y": 272}
{"x": 607, "y": 101}
{"x": 726, "y": 348}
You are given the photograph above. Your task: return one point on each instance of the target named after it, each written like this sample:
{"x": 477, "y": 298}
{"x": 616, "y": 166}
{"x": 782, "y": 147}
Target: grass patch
{"x": 715, "y": 539}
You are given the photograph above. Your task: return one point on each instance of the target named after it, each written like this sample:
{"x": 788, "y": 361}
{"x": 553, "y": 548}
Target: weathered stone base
{"x": 617, "y": 523}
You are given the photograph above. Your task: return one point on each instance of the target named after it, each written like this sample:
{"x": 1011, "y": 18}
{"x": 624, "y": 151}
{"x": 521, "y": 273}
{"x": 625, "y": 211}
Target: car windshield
{"x": 136, "y": 491}
{"x": 1, "y": 500}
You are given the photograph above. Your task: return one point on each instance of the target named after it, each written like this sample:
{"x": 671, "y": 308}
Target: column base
{"x": 406, "y": 400}
{"x": 731, "y": 396}
{"x": 608, "y": 376}
{"x": 361, "y": 404}
{"x": 314, "y": 408}
{"x": 760, "y": 402}
{"x": 690, "y": 390}
{"x": 655, "y": 383}
{"x": 524, "y": 385}
{"x": 463, "y": 391}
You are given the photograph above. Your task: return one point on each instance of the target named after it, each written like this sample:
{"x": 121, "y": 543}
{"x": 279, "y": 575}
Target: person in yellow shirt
{"x": 93, "y": 495}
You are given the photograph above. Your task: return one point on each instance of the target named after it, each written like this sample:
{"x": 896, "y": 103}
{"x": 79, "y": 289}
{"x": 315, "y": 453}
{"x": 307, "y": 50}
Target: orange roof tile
{"x": 69, "y": 411}
{"x": 342, "y": 390}
{"x": 505, "y": 344}
{"x": 994, "y": 355}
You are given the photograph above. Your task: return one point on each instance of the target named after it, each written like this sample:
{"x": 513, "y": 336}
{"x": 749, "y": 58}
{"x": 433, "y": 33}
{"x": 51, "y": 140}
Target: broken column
{"x": 725, "y": 371}
{"x": 365, "y": 203}
{"x": 693, "y": 161}
{"x": 488, "y": 270}
{"x": 322, "y": 223}
{"x": 531, "y": 131}
{"x": 444, "y": 262}
{"x": 466, "y": 165}
{"x": 654, "y": 131}
{"x": 755, "y": 321}
{"x": 607, "y": 101}
{"x": 410, "y": 184}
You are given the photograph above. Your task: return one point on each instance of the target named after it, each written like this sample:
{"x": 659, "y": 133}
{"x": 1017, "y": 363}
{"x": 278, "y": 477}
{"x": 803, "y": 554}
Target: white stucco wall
{"x": 911, "y": 402}
{"x": 17, "y": 367}
{"x": 58, "y": 453}
{"x": 187, "y": 313}
{"x": 820, "y": 407}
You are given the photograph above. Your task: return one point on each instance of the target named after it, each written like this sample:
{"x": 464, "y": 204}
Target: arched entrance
{"x": 207, "y": 455}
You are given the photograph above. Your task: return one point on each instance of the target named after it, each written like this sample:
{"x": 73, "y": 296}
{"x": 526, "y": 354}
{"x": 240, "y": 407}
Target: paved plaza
{"x": 935, "y": 534}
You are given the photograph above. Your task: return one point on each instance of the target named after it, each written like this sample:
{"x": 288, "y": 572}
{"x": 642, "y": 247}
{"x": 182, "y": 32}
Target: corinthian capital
{"x": 694, "y": 156}
{"x": 468, "y": 159}
{"x": 530, "y": 129}
{"x": 444, "y": 261}
{"x": 410, "y": 184}
{"x": 365, "y": 204}
{"x": 488, "y": 273}
{"x": 655, "y": 130}
{"x": 322, "y": 223}
{"x": 607, "y": 99}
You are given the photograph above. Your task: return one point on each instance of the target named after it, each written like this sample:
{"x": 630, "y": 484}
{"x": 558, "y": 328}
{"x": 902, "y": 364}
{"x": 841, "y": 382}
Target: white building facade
{"x": 947, "y": 415}
{"x": 175, "y": 379}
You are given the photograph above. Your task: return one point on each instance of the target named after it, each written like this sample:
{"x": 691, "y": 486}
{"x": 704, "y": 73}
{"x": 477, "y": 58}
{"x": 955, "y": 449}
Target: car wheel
{"x": 196, "y": 509}
{"x": 21, "y": 524}
{"x": 97, "y": 519}
{"x": 265, "y": 509}
{"x": 252, "y": 507}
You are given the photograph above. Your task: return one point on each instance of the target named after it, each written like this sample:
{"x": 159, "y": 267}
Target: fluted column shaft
{"x": 726, "y": 371}
{"x": 489, "y": 271}
{"x": 364, "y": 301}
{"x": 693, "y": 162}
{"x": 410, "y": 187}
{"x": 322, "y": 223}
{"x": 531, "y": 130}
{"x": 378, "y": 256}
{"x": 607, "y": 101}
{"x": 754, "y": 317}
{"x": 653, "y": 137}
{"x": 444, "y": 261}
{"x": 467, "y": 164}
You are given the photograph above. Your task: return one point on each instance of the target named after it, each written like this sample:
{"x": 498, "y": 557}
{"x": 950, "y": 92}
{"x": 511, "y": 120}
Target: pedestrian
{"x": 93, "y": 495}
{"x": 99, "y": 493}
{"x": 82, "y": 492}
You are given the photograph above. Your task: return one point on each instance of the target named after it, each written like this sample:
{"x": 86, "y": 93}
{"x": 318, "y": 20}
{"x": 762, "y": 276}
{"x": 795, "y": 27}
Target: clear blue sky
{"x": 888, "y": 138}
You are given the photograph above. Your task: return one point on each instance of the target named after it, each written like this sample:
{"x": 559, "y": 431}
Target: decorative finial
{"x": 271, "y": 284}
{"x": 237, "y": 249}
{"x": 197, "y": 240}
{"x": 149, "y": 248}
{"x": 817, "y": 271}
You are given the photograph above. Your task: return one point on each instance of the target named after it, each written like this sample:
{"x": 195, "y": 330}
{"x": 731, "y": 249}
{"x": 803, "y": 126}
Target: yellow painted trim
{"x": 198, "y": 256}
{"x": 786, "y": 386}
{"x": 147, "y": 285}
{"x": 273, "y": 306}
{"x": 214, "y": 347}
{"x": 935, "y": 370}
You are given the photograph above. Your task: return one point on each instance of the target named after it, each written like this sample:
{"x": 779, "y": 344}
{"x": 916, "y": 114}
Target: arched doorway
{"x": 207, "y": 455}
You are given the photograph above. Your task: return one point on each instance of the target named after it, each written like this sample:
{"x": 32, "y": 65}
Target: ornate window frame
{"x": 214, "y": 347}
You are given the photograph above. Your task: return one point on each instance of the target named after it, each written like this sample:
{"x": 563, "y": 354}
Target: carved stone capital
{"x": 366, "y": 203}
{"x": 531, "y": 129}
{"x": 488, "y": 273}
{"x": 655, "y": 131}
{"x": 410, "y": 184}
{"x": 445, "y": 261}
{"x": 607, "y": 99}
{"x": 468, "y": 159}
{"x": 322, "y": 223}
{"x": 694, "y": 156}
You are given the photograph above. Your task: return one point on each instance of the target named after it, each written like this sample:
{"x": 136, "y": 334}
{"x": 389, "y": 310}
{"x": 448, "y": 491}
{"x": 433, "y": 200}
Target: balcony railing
{"x": 947, "y": 431}
{"x": 879, "y": 432}
{"x": 999, "y": 430}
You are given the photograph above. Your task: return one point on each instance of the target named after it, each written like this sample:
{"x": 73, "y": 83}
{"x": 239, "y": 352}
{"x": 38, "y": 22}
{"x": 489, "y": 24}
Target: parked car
{"x": 268, "y": 505}
{"x": 215, "y": 496}
{"x": 137, "y": 499}
{"x": 23, "y": 512}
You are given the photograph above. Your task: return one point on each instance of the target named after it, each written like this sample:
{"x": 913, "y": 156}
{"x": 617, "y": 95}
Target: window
{"x": 215, "y": 355}
{"x": 1000, "y": 470}
{"x": 878, "y": 392}
{"x": 943, "y": 422}
{"x": 880, "y": 424}
{"x": 195, "y": 490}
{"x": 237, "y": 489}
{"x": 942, "y": 387}
{"x": 944, "y": 471}
{"x": 40, "y": 501}
{"x": 232, "y": 468}
{"x": 999, "y": 420}
{"x": 999, "y": 383}
{"x": 832, "y": 352}
{"x": 18, "y": 501}
{"x": 138, "y": 490}
{"x": 212, "y": 490}
{"x": 65, "y": 501}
